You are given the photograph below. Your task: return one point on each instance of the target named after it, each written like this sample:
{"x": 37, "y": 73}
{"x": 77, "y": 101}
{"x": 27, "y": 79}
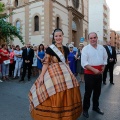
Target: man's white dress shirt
{"x": 93, "y": 56}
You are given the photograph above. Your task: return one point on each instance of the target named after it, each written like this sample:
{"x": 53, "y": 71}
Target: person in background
{"x": 0, "y": 64}
{"x": 12, "y": 63}
{"x": 93, "y": 60}
{"x": 111, "y": 61}
{"x": 79, "y": 68}
{"x": 67, "y": 44}
{"x": 18, "y": 62}
{"x": 5, "y": 61}
{"x": 31, "y": 47}
{"x": 74, "y": 48}
{"x": 72, "y": 59}
{"x": 0, "y": 72}
{"x": 11, "y": 47}
{"x": 46, "y": 47}
{"x": 34, "y": 65}
{"x": 27, "y": 56}
{"x": 40, "y": 56}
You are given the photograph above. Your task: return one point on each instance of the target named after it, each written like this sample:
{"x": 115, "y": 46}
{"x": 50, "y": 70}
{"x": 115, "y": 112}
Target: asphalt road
{"x": 14, "y": 104}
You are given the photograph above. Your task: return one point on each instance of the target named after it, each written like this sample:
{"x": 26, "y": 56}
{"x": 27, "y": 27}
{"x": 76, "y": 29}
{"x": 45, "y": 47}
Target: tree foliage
{"x": 2, "y": 7}
{"x": 7, "y": 30}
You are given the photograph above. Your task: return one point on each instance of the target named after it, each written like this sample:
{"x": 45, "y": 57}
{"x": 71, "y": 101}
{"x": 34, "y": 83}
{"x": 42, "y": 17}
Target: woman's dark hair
{"x": 17, "y": 46}
{"x": 56, "y": 30}
{"x": 3, "y": 45}
{"x": 39, "y": 47}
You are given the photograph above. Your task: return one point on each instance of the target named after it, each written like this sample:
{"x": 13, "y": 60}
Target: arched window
{"x": 16, "y": 3}
{"x": 57, "y": 22}
{"x": 74, "y": 26}
{"x": 36, "y": 23}
{"x": 18, "y": 25}
{"x": 76, "y": 3}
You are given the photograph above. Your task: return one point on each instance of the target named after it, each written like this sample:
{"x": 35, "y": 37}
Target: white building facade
{"x": 99, "y": 19}
{"x": 38, "y": 18}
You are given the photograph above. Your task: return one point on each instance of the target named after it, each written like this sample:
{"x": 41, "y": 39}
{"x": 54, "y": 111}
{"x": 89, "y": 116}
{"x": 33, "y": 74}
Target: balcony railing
{"x": 105, "y": 7}
{"x": 105, "y": 35}
{"x": 105, "y": 28}
{"x": 105, "y": 13}
{"x": 105, "y": 20}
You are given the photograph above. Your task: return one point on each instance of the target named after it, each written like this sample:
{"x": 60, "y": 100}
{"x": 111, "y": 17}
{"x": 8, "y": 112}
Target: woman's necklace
{"x": 60, "y": 47}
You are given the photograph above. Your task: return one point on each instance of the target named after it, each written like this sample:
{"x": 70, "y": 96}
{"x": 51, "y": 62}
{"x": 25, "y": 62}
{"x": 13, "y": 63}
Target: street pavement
{"x": 14, "y": 104}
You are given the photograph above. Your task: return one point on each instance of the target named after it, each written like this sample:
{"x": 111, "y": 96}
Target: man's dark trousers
{"x": 109, "y": 67}
{"x": 25, "y": 67}
{"x": 92, "y": 84}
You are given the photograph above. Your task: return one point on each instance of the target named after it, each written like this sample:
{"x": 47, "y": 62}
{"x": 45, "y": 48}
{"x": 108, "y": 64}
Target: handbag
{"x": 6, "y": 62}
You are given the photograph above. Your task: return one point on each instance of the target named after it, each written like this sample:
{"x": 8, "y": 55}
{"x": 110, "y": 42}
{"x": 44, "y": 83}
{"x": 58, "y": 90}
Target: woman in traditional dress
{"x": 55, "y": 95}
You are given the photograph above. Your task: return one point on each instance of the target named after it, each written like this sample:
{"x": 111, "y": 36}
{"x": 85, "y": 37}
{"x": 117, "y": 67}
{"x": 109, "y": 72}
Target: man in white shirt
{"x": 93, "y": 60}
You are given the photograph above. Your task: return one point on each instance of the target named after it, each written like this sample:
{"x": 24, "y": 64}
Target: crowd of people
{"x": 12, "y": 61}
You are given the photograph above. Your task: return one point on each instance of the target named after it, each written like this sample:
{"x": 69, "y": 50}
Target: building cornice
{"x": 69, "y": 8}
{"x": 26, "y": 3}
{"x": 59, "y": 4}
{"x": 75, "y": 12}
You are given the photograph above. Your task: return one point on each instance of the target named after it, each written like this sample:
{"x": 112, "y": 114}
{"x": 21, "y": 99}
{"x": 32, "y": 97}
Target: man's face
{"x": 28, "y": 45}
{"x": 13, "y": 46}
{"x": 108, "y": 43}
{"x": 93, "y": 39}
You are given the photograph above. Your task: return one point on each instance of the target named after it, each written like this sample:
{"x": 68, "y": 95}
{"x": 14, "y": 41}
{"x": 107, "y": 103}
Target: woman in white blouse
{"x": 18, "y": 61}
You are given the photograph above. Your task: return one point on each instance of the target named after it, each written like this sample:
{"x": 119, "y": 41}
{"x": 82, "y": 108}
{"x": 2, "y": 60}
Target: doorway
{"x": 74, "y": 38}
{"x": 74, "y": 33}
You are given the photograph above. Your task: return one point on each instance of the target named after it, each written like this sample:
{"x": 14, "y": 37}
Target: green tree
{"x": 7, "y": 30}
{"x": 2, "y": 7}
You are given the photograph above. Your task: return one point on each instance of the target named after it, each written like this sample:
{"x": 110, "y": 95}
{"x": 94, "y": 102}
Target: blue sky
{"x": 114, "y": 6}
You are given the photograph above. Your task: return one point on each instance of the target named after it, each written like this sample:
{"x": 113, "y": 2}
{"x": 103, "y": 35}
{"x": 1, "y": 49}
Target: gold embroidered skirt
{"x": 58, "y": 98}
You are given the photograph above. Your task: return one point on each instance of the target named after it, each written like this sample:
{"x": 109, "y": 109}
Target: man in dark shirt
{"x": 112, "y": 59}
{"x": 27, "y": 56}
